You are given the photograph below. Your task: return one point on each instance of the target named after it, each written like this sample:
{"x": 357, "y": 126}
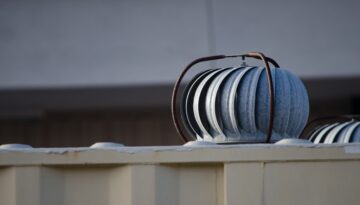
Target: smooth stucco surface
{"x": 123, "y": 43}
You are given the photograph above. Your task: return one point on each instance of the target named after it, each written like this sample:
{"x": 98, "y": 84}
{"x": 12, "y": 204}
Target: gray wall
{"x": 74, "y": 72}
{"x": 71, "y": 43}
{"x": 98, "y": 42}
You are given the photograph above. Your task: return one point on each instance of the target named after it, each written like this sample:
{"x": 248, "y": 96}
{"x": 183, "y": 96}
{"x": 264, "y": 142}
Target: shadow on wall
{"x": 104, "y": 114}
{"x": 81, "y": 129}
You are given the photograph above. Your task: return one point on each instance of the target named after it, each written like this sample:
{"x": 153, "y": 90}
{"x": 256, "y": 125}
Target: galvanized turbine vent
{"x": 242, "y": 104}
{"x": 338, "y": 129}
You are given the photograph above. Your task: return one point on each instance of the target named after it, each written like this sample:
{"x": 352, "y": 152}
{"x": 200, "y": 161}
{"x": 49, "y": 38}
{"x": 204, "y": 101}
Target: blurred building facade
{"x": 77, "y": 72}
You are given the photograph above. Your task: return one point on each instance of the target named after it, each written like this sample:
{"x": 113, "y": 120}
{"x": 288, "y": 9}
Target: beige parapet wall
{"x": 215, "y": 175}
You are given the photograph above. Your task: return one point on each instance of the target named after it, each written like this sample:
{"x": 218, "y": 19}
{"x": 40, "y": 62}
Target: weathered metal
{"x": 242, "y": 104}
{"x": 337, "y": 129}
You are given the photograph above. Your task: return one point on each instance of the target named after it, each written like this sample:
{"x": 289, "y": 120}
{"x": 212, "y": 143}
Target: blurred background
{"x": 76, "y": 72}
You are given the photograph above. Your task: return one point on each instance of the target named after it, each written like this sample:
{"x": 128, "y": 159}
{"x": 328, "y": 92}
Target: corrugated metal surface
{"x": 236, "y": 174}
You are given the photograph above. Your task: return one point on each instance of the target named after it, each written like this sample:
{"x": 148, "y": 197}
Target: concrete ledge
{"x": 179, "y": 154}
{"x": 176, "y": 175}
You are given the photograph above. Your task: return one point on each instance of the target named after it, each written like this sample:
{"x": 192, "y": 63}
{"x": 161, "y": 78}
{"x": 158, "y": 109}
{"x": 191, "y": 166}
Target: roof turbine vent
{"x": 241, "y": 104}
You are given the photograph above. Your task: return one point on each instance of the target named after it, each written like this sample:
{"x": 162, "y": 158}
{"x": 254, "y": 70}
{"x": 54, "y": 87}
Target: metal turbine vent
{"x": 241, "y": 104}
{"x": 334, "y": 129}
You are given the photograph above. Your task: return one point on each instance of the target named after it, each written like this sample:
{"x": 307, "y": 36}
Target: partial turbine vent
{"x": 338, "y": 129}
